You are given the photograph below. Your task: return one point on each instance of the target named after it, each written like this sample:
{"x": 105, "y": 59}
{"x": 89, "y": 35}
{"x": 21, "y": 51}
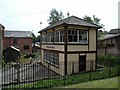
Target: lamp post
{"x": 40, "y": 25}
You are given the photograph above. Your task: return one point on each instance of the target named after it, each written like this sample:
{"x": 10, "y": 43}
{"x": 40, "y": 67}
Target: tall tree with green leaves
{"x": 38, "y": 38}
{"x": 55, "y": 16}
{"x": 33, "y": 38}
{"x": 94, "y": 20}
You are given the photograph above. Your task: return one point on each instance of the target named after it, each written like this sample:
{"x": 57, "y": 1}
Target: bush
{"x": 108, "y": 58}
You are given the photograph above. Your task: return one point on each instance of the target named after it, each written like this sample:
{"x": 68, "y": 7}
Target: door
{"x": 82, "y": 63}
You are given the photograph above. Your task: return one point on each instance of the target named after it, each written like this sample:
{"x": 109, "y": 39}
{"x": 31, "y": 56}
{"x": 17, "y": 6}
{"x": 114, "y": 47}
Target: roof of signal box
{"x": 72, "y": 20}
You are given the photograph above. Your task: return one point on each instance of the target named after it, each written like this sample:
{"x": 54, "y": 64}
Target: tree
{"x": 55, "y": 16}
{"x": 33, "y": 38}
{"x": 88, "y": 19}
{"x": 101, "y": 34}
{"x": 38, "y": 38}
{"x": 94, "y": 20}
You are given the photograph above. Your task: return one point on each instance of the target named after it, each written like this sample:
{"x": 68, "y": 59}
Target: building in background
{"x": 69, "y": 45}
{"x": 110, "y": 45}
{"x": 19, "y": 39}
{"x": 1, "y": 40}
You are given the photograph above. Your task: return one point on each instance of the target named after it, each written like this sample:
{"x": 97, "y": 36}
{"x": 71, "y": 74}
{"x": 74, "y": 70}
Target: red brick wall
{"x": 20, "y": 43}
{"x": 7, "y": 42}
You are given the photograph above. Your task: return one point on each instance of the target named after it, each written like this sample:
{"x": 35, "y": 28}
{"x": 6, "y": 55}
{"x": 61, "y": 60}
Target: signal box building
{"x": 69, "y": 40}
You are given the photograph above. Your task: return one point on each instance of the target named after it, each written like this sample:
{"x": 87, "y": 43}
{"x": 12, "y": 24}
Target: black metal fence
{"x": 45, "y": 76}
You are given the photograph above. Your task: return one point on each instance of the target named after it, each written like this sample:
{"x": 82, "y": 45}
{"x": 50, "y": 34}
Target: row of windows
{"x": 80, "y": 36}
{"x": 51, "y": 57}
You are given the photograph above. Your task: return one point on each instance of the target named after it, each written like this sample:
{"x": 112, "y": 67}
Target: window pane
{"x": 52, "y": 57}
{"x": 14, "y": 41}
{"x": 56, "y": 36}
{"x": 52, "y": 37}
{"x": 72, "y": 35}
{"x": 69, "y": 32}
{"x": 83, "y": 37}
{"x": 26, "y": 47}
{"x": 48, "y": 56}
{"x": 56, "y": 58}
{"x": 69, "y": 38}
{"x": 44, "y": 52}
{"x": 75, "y": 32}
{"x": 48, "y": 37}
{"x": 72, "y": 32}
{"x": 75, "y": 38}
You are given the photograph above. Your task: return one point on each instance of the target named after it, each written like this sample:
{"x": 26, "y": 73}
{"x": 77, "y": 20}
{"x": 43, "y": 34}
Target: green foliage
{"x": 108, "y": 58}
{"x": 3, "y": 62}
{"x": 38, "y": 38}
{"x": 101, "y": 34}
{"x": 27, "y": 60}
{"x": 94, "y": 20}
{"x": 33, "y": 37}
{"x": 55, "y": 16}
{"x": 88, "y": 19}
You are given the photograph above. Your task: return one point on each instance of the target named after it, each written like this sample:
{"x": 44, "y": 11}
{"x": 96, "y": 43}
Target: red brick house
{"x": 19, "y": 39}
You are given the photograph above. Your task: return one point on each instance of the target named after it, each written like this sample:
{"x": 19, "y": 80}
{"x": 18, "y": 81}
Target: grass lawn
{"x": 104, "y": 83}
{"x": 27, "y": 60}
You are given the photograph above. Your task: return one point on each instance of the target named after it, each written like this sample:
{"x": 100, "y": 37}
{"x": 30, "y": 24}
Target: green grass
{"x": 81, "y": 79}
{"x": 104, "y": 83}
{"x": 73, "y": 79}
{"x": 26, "y": 60}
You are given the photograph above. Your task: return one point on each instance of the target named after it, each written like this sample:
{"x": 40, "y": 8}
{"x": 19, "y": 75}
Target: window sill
{"x": 68, "y": 43}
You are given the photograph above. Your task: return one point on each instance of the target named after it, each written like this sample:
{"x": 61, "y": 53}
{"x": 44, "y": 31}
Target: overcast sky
{"x": 26, "y": 15}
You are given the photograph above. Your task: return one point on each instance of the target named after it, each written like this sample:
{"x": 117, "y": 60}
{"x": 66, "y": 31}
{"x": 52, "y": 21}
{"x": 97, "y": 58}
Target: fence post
{"x": 48, "y": 75}
{"x": 18, "y": 72}
{"x": 109, "y": 68}
{"x": 33, "y": 76}
{"x": 48, "y": 70}
{"x": 3, "y": 75}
